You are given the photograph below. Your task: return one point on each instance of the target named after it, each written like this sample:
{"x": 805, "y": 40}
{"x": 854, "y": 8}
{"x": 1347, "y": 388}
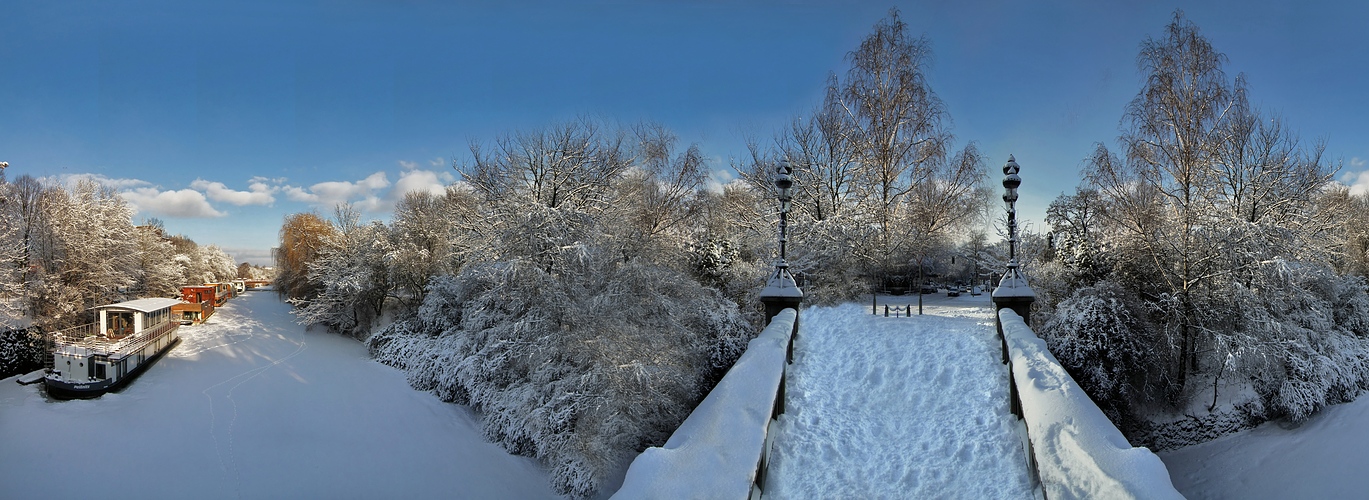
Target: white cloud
{"x": 327, "y": 194}
{"x": 719, "y": 178}
{"x": 1357, "y": 162}
{"x": 437, "y": 162}
{"x": 1359, "y": 183}
{"x": 421, "y": 180}
{"x": 375, "y": 193}
{"x": 259, "y": 192}
{"x": 149, "y": 199}
{"x": 295, "y": 193}
{"x": 177, "y": 203}
{"x": 118, "y": 184}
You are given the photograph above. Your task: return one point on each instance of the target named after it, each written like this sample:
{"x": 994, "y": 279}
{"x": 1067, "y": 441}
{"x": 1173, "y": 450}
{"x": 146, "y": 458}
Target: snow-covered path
{"x": 253, "y": 406}
{"x": 897, "y": 408}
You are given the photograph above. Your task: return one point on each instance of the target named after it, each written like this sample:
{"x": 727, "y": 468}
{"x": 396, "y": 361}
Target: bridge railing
{"x": 722, "y": 450}
{"x": 1073, "y": 447}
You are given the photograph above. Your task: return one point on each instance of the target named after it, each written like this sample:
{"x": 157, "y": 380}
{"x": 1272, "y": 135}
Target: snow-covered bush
{"x": 579, "y": 366}
{"x": 20, "y": 351}
{"x": 1309, "y": 322}
{"x": 1102, "y": 336}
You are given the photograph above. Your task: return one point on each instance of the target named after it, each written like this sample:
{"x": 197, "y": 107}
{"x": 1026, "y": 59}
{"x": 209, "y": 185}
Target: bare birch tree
{"x": 895, "y": 122}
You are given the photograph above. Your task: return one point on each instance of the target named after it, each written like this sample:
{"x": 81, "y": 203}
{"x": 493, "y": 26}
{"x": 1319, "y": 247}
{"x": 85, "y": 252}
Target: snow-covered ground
{"x": 253, "y": 406}
{"x": 898, "y": 407}
{"x": 1322, "y": 458}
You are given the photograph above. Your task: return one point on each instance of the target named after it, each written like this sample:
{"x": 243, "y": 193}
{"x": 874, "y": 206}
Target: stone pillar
{"x": 780, "y": 292}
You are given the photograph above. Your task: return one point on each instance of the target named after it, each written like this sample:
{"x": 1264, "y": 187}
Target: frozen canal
{"x": 253, "y": 406}
{"x": 898, "y": 407}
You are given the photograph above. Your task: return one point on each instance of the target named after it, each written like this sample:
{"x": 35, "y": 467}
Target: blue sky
{"x": 220, "y": 120}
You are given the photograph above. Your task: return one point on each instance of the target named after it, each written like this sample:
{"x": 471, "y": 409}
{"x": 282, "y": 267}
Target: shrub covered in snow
{"x": 20, "y": 351}
{"x": 581, "y": 365}
{"x": 1294, "y": 333}
{"x": 1306, "y": 326}
{"x": 1102, "y": 336}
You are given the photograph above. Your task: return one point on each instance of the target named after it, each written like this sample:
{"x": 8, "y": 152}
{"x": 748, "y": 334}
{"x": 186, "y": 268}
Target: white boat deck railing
{"x": 85, "y": 337}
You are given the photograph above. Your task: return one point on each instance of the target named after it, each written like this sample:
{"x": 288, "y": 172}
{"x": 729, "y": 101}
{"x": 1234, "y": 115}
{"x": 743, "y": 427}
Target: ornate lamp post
{"x": 780, "y": 290}
{"x": 1013, "y": 292}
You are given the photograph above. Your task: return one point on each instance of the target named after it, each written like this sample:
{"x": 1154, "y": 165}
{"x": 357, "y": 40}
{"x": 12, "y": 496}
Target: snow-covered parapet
{"x": 715, "y": 452}
{"x": 1079, "y": 452}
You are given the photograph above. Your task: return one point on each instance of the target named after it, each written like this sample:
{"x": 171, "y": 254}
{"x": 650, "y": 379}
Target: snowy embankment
{"x": 882, "y": 407}
{"x": 1079, "y": 452}
{"x": 714, "y": 453}
{"x": 252, "y": 405}
{"x": 1322, "y": 458}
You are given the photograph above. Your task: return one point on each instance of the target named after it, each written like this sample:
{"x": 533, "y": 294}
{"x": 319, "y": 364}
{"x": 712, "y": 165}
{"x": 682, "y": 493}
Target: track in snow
{"x": 897, "y": 408}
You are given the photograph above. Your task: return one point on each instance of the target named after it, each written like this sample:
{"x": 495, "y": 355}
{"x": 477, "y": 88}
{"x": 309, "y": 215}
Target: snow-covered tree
{"x": 566, "y": 165}
{"x": 11, "y": 257}
{"x": 218, "y": 263}
{"x": 653, "y": 201}
{"x": 1351, "y": 250}
{"x": 351, "y": 275}
{"x": 89, "y": 250}
{"x": 422, "y": 237}
{"x": 302, "y": 239}
{"x": 879, "y": 194}
{"x": 895, "y": 123}
{"x": 1206, "y": 188}
{"x": 732, "y": 224}
{"x": 159, "y": 274}
{"x": 1102, "y": 334}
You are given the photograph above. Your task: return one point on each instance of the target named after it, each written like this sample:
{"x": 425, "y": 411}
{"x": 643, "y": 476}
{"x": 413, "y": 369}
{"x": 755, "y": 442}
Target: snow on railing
{"x": 722, "y": 449}
{"x": 899, "y": 311}
{"x": 1076, "y": 450}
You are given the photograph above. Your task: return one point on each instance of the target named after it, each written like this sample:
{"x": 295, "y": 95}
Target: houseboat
{"x": 222, "y": 292}
{"x": 125, "y": 339}
{"x": 196, "y": 307}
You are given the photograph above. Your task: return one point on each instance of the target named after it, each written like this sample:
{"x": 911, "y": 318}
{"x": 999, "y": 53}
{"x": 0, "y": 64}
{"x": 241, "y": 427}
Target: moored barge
{"x": 125, "y": 339}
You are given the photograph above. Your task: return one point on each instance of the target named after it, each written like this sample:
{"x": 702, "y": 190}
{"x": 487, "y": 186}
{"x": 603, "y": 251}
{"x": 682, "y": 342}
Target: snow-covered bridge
{"x": 888, "y": 407}
{"x": 872, "y": 407}
{"x": 892, "y": 407}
